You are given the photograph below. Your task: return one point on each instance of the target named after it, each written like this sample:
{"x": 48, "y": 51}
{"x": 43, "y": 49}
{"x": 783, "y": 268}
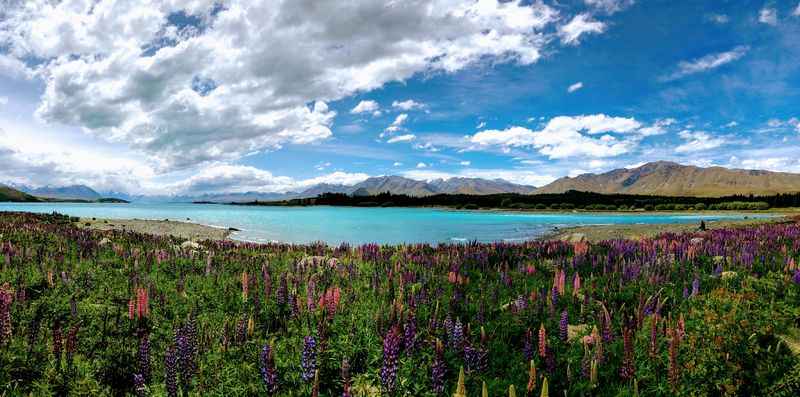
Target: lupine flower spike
{"x": 461, "y": 389}
{"x": 545, "y": 391}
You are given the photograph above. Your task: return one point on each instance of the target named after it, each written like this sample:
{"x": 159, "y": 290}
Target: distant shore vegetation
{"x": 571, "y": 200}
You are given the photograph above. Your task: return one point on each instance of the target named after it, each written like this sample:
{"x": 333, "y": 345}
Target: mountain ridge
{"x": 667, "y": 178}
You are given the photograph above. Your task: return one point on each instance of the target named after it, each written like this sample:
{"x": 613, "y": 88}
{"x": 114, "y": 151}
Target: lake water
{"x": 360, "y": 225}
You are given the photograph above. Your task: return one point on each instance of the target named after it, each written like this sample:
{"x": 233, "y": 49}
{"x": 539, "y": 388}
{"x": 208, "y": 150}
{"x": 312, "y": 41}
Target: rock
{"x": 697, "y": 240}
{"x": 190, "y": 245}
{"x": 104, "y": 241}
{"x": 233, "y": 229}
{"x": 575, "y": 238}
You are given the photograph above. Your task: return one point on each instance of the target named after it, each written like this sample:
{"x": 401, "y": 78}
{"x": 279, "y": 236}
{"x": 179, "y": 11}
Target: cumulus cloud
{"x": 397, "y": 123}
{"x": 796, "y": 11}
{"x": 402, "y": 138}
{"x": 126, "y": 72}
{"x": 657, "y": 128}
{"x": 575, "y": 87}
{"x": 706, "y": 63}
{"x": 768, "y": 16}
{"x": 421, "y": 165}
{"x": 408, "y": 105}
{"x": 226, "y": 178}
{"x": 566, "y": 136}
{"x": 609, "y": 6}
{"x": 368, "y": 106}
{"x": 579, "y": 25}
{"x": 696, "y": 141}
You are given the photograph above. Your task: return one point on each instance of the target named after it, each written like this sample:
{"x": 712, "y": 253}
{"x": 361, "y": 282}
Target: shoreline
{"x": 182, "y": 229}
{"x": 198, "y": 232}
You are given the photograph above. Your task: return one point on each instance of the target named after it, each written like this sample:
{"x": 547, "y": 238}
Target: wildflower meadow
{"x": 87, "y": 312}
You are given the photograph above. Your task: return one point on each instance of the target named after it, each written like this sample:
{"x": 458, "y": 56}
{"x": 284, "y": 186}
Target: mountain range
{"x": 661, "y": 178}
{"x": 666, "y": 178}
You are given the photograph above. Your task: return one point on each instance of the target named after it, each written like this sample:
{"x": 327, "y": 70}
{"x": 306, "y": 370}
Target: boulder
{"x": 190, "y": 245}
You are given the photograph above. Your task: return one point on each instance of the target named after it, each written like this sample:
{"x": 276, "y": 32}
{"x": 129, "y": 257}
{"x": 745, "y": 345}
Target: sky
{"x": 205, "y": 96}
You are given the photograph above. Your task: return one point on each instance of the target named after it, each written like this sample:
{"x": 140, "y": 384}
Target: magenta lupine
{"x": 6, "y": 298}
{"x": 563, "y": 324}
{"x": 391, "y": 350}
{"x": 309, "y": 358}
{"x": 268, "y": 374}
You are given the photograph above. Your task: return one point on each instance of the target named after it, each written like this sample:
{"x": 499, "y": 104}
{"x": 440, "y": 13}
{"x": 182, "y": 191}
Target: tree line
{"x": 556, "y": 201}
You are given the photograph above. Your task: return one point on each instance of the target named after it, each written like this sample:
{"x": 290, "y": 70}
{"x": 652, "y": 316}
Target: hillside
{"x": 72, "y": 192}
{"x": 671, "y": 179}
{"x": 13, "y": 195}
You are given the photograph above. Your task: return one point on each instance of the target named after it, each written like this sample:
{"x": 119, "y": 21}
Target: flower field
{"x": 117, "y": 313}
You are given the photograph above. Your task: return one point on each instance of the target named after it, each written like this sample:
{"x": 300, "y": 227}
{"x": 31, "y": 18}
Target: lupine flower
{"x": 245, "y": 286}
{"x": 695, "y": 286}
{"x": 457, "y": 337}
{"x": 171, "y": 371}
{"x": 438, "y": 369}
{"x": 410, "y": 334}
{"x": 57, "y": 343}
{"x": 576, "y": 284}
{"x": 391, "y": 348}
{"x": 72, "y": 343}
{"x": 461, "y": 388}
{"x": 268, "y": 374}
{"x": 796, "y": 277}
{"x": 6, "y": 297}
{"x": 144, "y": 357}
{"x": 545, "y": 391}
{"x": 627, "y": 371}
{"x": 345, "y": 378}
{"x": 139, "y": 385}
{"x": 131, "y": 309}
{"x": 531, "y": 378}
{"x": 309, "y": 358}
{"x": 142, "y": 303}
{"x": 542, "y": 341}
{"x": 527, "y": 347}
{"x": 563, "y": 324}
{"x": 282, "y": 290}
{"x": 674, "y": 370}
{"x": 654, "y": 335}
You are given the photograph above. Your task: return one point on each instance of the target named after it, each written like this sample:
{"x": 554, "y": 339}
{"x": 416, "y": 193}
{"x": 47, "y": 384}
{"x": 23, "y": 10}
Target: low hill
{"x": 13, "y": 195}
{"x": 665, "y": 178}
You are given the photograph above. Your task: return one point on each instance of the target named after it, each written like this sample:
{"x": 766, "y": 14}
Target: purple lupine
{"x": 282, "y": 290}
{"x": 456, "y": 339}
{"x": 410, "y": 334}
{"x": 268, "y": 374}
{"x": 554, "y": 297}
{"x": 309, "y": 358}
{"x": 475, "y": 359}
{"x": 72, "y": 343}
{"x": 391, "y": 349}
{"x": 57, "y": 343}
{"x": 139, "y": 386}
{"x": 563, "y": 324}
{"x": 695, "y": 286}
{"x": 796, "y": 277}
{"x": 171, "y": 371}
{"x": 627, "y": 371}
{"x": 144, "y": 357}
{"x": 527, "y": 345}
{"x": 438, "y": 369}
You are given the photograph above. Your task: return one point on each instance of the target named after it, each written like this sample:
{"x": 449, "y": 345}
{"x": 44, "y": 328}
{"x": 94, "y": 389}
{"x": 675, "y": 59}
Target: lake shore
{"x": 596, "y": 233}
{"x": 186, "y": 230}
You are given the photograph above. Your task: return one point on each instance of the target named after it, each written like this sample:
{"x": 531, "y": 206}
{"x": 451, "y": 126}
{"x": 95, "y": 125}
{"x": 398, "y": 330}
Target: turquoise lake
{"x": 335, "y": 225}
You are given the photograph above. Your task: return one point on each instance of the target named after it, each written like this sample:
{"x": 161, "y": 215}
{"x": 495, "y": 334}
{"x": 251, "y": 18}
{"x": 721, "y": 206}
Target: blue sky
{"x": 198, "y": 97}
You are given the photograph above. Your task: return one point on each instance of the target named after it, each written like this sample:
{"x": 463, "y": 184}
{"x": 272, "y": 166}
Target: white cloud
{"x": 421, "y": 165}
{"x": 368, "y": 106}
{"x": 658, "y": 128}
{"x": 708, "y": 62}
{"x": 575, "y": 87}
{"x": 696, "y": 141}
{"x": 3, "y": 100}
{"x": 465, "y": 163}
{"x": 768, "y": 16}
{"x": 397, "y": 164}
{"x": 402, "y": 138}
{"x": 226, "y": 178}
{"x": 480, "y": 125}
{"x": 580, "y": 24}
{"x": 796, "y": 11}
{"x": 122, "y": 72}
{"x": 397, "y": 123}
{"x": 731, "y": 124}
{"x": 522, "y": 177}
{"x": 408, "y": 105}
{"x": 12, "y": 67}
{"x": 609, "y": 6}
{"x": 563, "y": 137}
{"x": 322, "y": 166}
{"x": 720, "y": 19}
